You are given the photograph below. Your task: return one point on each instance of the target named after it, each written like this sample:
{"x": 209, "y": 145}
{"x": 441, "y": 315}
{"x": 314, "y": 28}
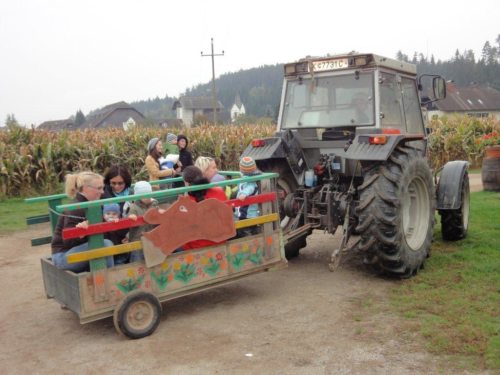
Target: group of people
{"x": 117, "y": 182}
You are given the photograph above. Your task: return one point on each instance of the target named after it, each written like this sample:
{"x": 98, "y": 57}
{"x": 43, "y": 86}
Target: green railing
{"x": 94, "y": 210}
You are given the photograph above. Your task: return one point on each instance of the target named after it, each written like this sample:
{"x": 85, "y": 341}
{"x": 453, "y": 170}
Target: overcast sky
{"x": 58, "y": 56}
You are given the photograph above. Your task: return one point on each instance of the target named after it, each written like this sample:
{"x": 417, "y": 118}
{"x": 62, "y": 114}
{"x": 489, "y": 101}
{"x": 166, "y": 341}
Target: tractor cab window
{"x": 324, "y": 102}
{"x": 411, "y": 104}
{"x": 390, "y": 102}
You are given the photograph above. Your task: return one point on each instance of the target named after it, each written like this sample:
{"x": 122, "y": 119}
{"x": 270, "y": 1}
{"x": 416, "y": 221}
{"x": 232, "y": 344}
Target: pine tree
{"x": 11, "y": 122}
{"x": 79, "y": 118}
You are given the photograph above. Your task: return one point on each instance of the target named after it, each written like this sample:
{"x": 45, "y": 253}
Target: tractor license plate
{"x": 320, "y": 66}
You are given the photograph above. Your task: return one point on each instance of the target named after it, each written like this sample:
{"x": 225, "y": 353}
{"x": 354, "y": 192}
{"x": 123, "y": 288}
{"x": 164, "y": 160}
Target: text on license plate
{"x": 319, "y": 66}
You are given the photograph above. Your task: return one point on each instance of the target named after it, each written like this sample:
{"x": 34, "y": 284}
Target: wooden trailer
{"x": 132, "y": 293}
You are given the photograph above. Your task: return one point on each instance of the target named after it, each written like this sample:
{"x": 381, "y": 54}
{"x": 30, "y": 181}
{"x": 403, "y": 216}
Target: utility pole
{"x": 214, "y": 94}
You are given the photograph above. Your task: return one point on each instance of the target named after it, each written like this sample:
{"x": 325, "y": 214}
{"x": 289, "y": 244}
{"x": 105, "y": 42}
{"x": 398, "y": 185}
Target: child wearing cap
{"x": 171, "y": 145}
{"x": 246, "y": 189}
{"x": 111, "y": 214}
{"x": 139, "y": 208}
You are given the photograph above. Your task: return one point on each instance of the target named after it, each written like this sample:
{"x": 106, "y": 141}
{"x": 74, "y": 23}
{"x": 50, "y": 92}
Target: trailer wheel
{"x": 396, "y": 213}
{"x": 286, "y": 185}
{"x": 137, "y": 315}
{"x": 455, "y": 223}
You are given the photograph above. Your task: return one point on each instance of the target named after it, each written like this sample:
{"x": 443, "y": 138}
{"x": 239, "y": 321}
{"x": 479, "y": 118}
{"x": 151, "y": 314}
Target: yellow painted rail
{"x": 137, "y": 245}
{"x": 104, "y": 251}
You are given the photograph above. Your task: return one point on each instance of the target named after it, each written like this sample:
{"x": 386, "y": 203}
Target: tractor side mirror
{"x": 439, "y": 88}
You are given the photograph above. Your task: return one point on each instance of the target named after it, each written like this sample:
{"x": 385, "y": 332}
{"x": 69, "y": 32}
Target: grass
{"x": 455, "y": 300}
{"x": 13, "y": 213}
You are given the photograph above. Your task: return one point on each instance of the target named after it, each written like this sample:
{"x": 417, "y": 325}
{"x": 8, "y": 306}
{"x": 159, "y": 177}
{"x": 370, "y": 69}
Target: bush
{"x": 459, "y": 138}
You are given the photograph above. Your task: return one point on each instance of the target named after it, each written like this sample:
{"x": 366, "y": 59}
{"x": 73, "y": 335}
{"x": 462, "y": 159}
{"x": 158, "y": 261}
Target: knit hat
{"x": 152, "y": 143}
{"x": 142, "y": 187}
{"x": 247, "y": 165}
{"x": 171, "y": 137}
{"x": 111, "y": 207}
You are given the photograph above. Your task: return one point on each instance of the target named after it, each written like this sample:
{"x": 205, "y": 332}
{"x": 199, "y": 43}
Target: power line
{"x": 214, "y": 94}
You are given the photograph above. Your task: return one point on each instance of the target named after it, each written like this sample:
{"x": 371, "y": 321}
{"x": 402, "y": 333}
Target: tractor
{"x": 351, "y": 152}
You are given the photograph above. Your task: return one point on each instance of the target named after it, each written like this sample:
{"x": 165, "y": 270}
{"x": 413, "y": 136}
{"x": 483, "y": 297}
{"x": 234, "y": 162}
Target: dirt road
{"x": 300, "y": 320}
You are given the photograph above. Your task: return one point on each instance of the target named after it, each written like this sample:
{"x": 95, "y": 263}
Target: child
{"x": 168, "y": 162}
{"x": 171, "y": 158}
{"x": 246, "y": 189}
{"x": 139, "y": 208}
{"x": 171, "y": 145}
{"x": 111, "y": 213}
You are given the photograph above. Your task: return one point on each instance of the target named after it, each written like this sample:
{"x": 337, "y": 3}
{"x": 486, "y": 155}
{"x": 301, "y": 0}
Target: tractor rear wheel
{"x": 396, "y": 212}
{"x": 454, "y": 223}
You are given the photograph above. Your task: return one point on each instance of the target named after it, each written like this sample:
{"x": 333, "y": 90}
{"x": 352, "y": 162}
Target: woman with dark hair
{"x": 185, "y": 156}
{"x": 193, "y": 176}
{"x": 117, "y": 183}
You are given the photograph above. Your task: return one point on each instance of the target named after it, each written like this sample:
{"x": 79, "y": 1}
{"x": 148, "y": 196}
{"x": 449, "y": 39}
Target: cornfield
{"x": 459, "y": 138}
{"x": 36, "y": 161}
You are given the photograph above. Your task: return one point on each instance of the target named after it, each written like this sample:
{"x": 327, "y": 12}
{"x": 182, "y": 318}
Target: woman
{"x": 185, "y": 156}
{"x": 155, "y": 151}
{"x": 82, "y": 187}
{"x": 209, "y": 169}
{"x": 193, "y": 176}
{"x": 117, "y": 183}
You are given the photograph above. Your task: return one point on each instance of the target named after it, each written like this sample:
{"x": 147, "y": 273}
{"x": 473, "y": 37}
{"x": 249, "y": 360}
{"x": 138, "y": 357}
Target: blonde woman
{"x": 209, "y": 168}
{"x": 81, "y": 187}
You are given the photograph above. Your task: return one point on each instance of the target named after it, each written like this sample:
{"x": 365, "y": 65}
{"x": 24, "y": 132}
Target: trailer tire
{"x": 455, "y": 223}
{"x": 286, "y": 185}
{"x": 397, "y": 213}
{"x": 137, "y": 315}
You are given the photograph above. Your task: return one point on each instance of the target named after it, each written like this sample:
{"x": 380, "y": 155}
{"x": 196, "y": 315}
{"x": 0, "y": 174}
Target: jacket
{"x": 248, "y": 189}
{"x": 69, "y": 219}
{"x": 108, "y": 193}
{"x": 216, "y": 193}
{"x": 155, "y": 173}
{"x": 139, "y": 209}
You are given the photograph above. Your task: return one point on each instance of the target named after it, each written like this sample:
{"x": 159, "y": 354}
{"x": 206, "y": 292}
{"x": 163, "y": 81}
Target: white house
{"x": 189, "y": 107}
{"x": 473, "y": 101}
{"x": 237, "y": 109}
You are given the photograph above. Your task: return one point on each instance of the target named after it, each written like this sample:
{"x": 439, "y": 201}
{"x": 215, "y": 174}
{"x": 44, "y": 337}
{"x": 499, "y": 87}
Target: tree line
{"x": 260, "y": 88}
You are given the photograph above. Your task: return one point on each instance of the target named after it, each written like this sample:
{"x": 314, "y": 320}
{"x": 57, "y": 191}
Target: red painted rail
{"x": 129, "y": 223}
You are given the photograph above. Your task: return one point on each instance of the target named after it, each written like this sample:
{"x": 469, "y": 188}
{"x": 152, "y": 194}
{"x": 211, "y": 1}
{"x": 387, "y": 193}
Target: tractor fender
{"x": 361, "y": 149}
{"x": 285, "y": 147}
{"x": 450, "y": 183}
{"x": 272, "y": 148}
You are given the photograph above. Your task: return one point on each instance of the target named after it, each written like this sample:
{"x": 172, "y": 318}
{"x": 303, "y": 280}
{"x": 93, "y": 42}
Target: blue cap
{"x": 111, "y": 207}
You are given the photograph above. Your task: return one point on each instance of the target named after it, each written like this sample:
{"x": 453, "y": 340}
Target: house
{"x": 116, "y": 115}
{"x": 58, "y": 125}
{"x": 473, "y": 100}
{"x": 188, "y": 108}
{"x": 238, "y": 108}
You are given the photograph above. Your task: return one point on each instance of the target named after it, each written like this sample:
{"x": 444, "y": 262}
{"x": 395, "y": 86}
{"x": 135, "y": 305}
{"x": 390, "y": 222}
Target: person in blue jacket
{"x": 247, "y": 189}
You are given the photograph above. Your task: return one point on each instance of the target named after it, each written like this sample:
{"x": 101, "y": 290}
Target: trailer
{"x": 132, "y": 293}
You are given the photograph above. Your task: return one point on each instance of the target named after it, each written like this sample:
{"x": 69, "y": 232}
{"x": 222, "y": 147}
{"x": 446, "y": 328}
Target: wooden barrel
{"x": 490, "y": 171}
